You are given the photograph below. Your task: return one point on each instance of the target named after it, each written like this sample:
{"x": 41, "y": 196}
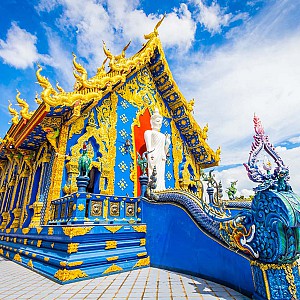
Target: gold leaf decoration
{"x": 112, "y": 268}
{"x": 140, "y": 228}
{"x": 18, "y": 258}
{"x": 76, "y": 231}
{"x": 67, "y": 275}
{"x": 113, "y": 229}
{"x": 142, "y": 262}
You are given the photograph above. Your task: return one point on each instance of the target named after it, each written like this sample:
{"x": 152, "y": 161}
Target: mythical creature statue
{"x": 231, "y": 191}
{"x": 84, "y": 162}
{"x": 152, "y": 186}
{"x": 142, "y": 161}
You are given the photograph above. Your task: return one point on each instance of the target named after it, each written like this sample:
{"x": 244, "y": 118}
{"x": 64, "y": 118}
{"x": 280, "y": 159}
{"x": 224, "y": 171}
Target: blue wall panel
{"x": 175, "y": 242}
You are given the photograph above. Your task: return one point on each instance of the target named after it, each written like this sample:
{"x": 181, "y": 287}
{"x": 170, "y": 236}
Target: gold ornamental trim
{"x": 73, "y": 247}
{"x": 67, "y": 275}
{"x": 18, "y": 258}
{"x": 75, "y": 263}
{"x": 39, "y": 230}
{"x": 25, "y": 230}
{"x": 113, "y": 229}
{"x": 113, "y": 268}
{"x": 30, "y": 264}
{"x": 112, "y": 258}
{"x": 141, "y": 254}
{"x": 76, "y": 231}
{"x": 142, "y": 262}
{"x": 111, "y": 245}
{"x": 140, "y": 228}
{"x": 142, "y": 242}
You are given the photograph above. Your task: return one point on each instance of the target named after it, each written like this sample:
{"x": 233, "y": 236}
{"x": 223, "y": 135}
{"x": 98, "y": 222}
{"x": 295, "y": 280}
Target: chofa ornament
{"x": 261, "y": 172}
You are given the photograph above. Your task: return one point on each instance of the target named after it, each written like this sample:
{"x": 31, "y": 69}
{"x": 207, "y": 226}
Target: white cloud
{"x": 19, "y": 50}
{"x": 178, "y": 28}
{"x": 294, "y": 140}
{"x": 248, "y": 75}
{"x": 46, "y": 5}
{"x": 212, "y": 17}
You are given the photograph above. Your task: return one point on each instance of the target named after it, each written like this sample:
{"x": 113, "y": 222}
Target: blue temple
{"x": 78, "y": 200}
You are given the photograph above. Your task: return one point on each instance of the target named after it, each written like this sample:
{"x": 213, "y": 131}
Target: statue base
{"x": 82, "y": 183}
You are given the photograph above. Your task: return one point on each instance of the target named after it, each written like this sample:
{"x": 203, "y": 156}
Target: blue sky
{"x": 236, "y": 58}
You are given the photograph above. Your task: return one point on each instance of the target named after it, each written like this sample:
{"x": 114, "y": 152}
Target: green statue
{"x": 231, "y": 191}
{"x": 84, "y": 162}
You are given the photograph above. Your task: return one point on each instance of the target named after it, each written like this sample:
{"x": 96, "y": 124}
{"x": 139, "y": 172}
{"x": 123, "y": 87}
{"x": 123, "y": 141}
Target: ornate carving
{"x": 96, "y": 209}
{"x": 67, "y": 275}
{"x": 110, "y": 245}
{"x": 113, "y": 229}
{"x": 142, "y": 262}
{"x": 18, "y": 258}
{"x": 113, "y": 268}
{"x": 76, "y": 231}
{"x": 130, "y": 209}
{"x": 73, "y": 247}
{"x": 112, "y": 258}
{"x": 114, "y": 210}
{"x": 140, "y": 228}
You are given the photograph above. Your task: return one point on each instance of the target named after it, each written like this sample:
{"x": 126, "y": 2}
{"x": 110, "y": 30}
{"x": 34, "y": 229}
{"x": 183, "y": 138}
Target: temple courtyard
{"x": 17, "y": 282}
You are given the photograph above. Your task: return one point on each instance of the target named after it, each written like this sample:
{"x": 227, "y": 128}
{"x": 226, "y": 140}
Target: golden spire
{"x": 14, "y": 113}
{"x": 79, "y": 68}
{"x": 25, "y": 107}
{"x": 42, "y": 81}
{"x": 155, "y": 31}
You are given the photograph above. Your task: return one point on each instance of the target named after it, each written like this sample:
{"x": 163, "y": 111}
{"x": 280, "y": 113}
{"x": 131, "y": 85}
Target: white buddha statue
{"x": 158, "y": 145}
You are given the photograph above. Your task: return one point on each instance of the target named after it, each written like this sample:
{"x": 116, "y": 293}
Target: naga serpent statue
{"x": 266, "y": 232}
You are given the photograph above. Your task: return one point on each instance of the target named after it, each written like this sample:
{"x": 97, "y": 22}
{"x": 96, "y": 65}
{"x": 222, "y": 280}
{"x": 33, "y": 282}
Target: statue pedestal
{"x": 275, "y": 281}
{"x": 144, "y": 182}
{"x": 82, "y": 183}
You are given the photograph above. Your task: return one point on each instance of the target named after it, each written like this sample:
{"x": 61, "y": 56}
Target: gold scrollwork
{"x": 110, "y": 245}
{"x": 142, "y": 262}
{"x": 76, "y": 231}
{"x": 67, "y": 275}
{"x": 112, "y": 268}
{"x": 140, "y": 228}
{"x": 73, "y": 247}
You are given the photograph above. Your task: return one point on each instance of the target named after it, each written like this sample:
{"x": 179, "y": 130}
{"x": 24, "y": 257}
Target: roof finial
{"x": 25, "y": 107}
{"x": 14, "y": 113}
{"x": 79, "y": 68}
{"x": 155, "y": 31}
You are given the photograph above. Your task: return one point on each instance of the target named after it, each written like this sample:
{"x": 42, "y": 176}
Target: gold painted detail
{"x": 1, "y": 251}
{"x": 73, "y": 247}
{"x": 113, "y": 229}
{"x": 112, "y": 258}
{"x": 39, "y": 230}
{"x": 142, "y": 242}
{"x": 25, "y": 230}
{"x": 25, "y": 107}
{"x": 110, "y": 245}
{"x": 80, "y": 207}
{"x": 142, "y": 262}
{"x": 30, "y": 264}
{"x": 46, "y": 258}
{"x": 50, "y": 231}
{"x": 140, "y": 228}
{"x": 96, "y": 208}
{"x": 76, "y": 231}
{"x": 75, "y": 263}
{"x": 39, "y": 243}
{"x": 112, "y": 268}
{"x": 14, "y": 114}
{"x": 18, "y": 258}
{"x": 67, "y": 275}
{"x": 63, "y": 263}
{"x": 142, "y": 254}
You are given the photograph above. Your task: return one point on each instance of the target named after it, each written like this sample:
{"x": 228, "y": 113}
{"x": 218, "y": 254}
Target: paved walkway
{"x": 17, "y": 282}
